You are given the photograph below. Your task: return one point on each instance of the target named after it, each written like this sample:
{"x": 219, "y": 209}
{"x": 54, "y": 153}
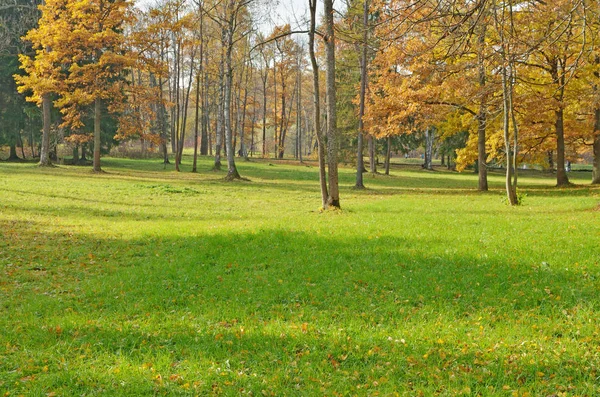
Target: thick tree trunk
{"x": 45, "y": 152}
{"x": 97, "y": 132}
{"x": 12, "y": 153}
{"x": 561, "y": 174}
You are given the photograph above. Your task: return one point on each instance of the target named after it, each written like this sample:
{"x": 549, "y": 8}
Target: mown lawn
{"x": 144, "y": 281}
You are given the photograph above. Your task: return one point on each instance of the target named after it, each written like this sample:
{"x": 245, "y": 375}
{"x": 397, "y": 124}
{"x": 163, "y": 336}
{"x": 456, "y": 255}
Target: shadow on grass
{"x": 288, "y": 313}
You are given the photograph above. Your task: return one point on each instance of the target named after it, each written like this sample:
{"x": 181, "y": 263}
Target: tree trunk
{"x": 360, "y": 166}
{"x": 482, "y": 116}
{"x": 161, "y": 119}
{"x": 429, "y": 138}
{"x": 220, "y": 119}
{"x": 243, "y": 150}
{"x": 204, "y": 142}
{"x": 232, "y": 172}
{"x": 596, "y": 166}
{"x": 333, "y": 199}
{"x": 507, "y": 109}
{"x": 275, "y": 137}
{"x": 197, "y": 119}
{"x": 97, "y": 138}
{"x": 75, "y": 160}
{"x": 561, "y": 174}
{"x": 264, "y": 117}
{"x": 388, "y": 155}
{"x": 372, "y": 158}
{"x": 299, "y": 108}
{"x": 45, "y": 152}
{"x": 317, "y": 104}
{"x": 13, "y": 156}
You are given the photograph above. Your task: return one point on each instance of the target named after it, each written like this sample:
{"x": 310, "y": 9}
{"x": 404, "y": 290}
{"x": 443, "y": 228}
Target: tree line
{"x": 482, "y": 82}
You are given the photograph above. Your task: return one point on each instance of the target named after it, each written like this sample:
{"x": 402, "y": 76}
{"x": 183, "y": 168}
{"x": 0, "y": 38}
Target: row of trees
{"x": 518, "y": 78}
{"x": 521, "y": 77}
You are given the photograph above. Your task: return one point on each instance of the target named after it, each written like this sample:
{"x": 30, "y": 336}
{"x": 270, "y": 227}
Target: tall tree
{"x": 333, "y": 199}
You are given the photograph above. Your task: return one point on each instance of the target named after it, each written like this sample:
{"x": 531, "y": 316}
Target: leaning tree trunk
{"x": 45, "y": 152}
{"x": 333, "y": 199}
{"x": 97, "y": 138}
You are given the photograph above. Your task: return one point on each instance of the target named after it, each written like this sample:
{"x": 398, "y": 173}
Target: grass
{"x": 145, "y": 281}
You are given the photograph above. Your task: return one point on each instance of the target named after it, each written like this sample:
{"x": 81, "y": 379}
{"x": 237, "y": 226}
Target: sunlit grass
{"x": 143, "y": 280}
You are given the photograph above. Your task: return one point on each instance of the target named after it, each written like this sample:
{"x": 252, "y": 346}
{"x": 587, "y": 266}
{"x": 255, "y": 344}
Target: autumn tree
{"x": 81, "y": 55}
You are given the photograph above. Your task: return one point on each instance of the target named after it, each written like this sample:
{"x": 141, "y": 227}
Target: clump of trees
{"x": 472, "y": 78}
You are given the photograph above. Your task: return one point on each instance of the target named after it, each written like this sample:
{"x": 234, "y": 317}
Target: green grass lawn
{"x": 145, "y": 281}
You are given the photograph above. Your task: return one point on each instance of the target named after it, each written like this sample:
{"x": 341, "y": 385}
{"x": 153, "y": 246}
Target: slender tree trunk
{"x": 197, "y": 119}
{"x": 204, "y": 142}
{"x": 429, "y": 138}
{"x": 317, "y": 104}
{"x": 75, "y": 154}
{"x": 162, "y": 120}
{"x": 332, "y": 133}
{"x": 482, "y": 115}
{"x": 360, "y": 166}
{"x": 264, "y": 119}
{"x": 561, "y": 174}
{"x": 244, "y": 104}
{"x": 372, "y": 156}
{"x": 299, "y": 107}
{"x": 388, "y": 155}
{"x": 275, "y": 138}
{"x": 596, "y": 166}
{"x": 31, "y": 145}
{"x": 220, "y": 117}
{"x": 198, "y": 81}
{"x": 232, "y": 172}
{"x": 45, "y": 152}
{"x": 507, "y": 102}
{"x": 97, "y": 138}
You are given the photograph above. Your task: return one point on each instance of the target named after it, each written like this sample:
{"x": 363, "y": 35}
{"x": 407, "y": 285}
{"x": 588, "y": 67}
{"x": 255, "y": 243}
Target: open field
{"x": 144, "y": 281}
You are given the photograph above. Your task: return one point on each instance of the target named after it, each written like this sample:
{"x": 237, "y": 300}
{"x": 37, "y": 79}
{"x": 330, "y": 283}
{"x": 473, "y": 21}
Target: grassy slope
{"x": 145, "y": 281}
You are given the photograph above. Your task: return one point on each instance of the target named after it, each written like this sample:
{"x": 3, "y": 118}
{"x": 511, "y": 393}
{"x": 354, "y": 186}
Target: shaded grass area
{"x": 143, "y": 281}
